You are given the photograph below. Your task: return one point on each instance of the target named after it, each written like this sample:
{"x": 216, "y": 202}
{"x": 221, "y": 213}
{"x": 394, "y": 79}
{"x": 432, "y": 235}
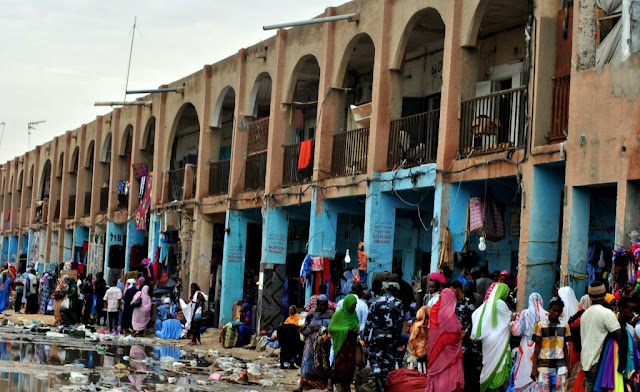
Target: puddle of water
{"x": 29, "y": 363}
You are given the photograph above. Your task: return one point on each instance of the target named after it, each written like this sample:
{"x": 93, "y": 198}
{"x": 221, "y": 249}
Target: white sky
{"x": 59, "y": 57}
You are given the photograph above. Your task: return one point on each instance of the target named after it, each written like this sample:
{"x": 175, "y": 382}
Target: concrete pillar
{"x": 379, "y": 230}
{"x": 204, "y": 148}
{"x": 32, "y": 246}
{"x": 115, "y": 236}
{"x": 322, "y": 227}
{"x": 55, "y": 246}
{"x": 382, "y": 98}
{"x": 13, "y": 249}
{"x": 578, "y": 237}
{"x": 544, "y": 212}
{"x": 239, "y": 138}
{"x": 160, "y": 145}
{"x": 67, "y": 246}
{"x": 154, "y": 236}
{"x": 278, "y": 118}
{"x": 201, "y": 247}
{"x": 233, "y": 256}
{"x": 632, "y": 211}
{"x": 275, "y": 229}
{"x": 440, "y": 208}
{"x": 95, "y": 255}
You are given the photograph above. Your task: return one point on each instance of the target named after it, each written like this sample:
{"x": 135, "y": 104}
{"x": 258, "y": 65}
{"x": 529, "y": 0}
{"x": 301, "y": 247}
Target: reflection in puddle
{"x": 29, "y": 366}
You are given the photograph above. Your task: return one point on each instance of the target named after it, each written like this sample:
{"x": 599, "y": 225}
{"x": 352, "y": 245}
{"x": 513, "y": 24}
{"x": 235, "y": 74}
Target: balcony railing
{"x": 87, "y": 203}
{"x": 219, "y": 177}
{"x": 104, "y": 199}
{"x": 42, "y": 211}
{"x": 560, "y": 125}
{"x": 350, "y": 150}
{"x": 72, "y": 207}
{"x": 258, "y": 135}
{"x": 176, "y": 184}
{"x": 56, "y": 212}
{"x": 255, "y": 171}
{"x": 413, "y": 140}
{"x": 493, "y": 122}
{"x": 291, "y": 175}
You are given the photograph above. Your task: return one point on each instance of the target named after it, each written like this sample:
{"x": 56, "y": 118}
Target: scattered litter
{"x": 215, "y": 376}
{"x": 78, "y": 378}
{"x": 52, "y": 334}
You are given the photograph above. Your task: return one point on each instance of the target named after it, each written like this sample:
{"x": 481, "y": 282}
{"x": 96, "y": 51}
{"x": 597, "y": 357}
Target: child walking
{"x": 552, "y": 337}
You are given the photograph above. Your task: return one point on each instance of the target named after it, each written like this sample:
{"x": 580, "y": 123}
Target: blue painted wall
{"x": 154, "y": 236}
{"x": 274, "y": 236}
{"x": 5, "y": 250}
{"x": 322, "y": 228}
{"x": 544, "y": 230}
{"x": 68, "y": 246}
{"x": 233, "y": 261}
{"x": 497, "y": 254}
{"x": 579, "y": 237}
{"x": 13, "y": 248}
{"x": 379, "y": 227}
{"x": 25, "y": 245}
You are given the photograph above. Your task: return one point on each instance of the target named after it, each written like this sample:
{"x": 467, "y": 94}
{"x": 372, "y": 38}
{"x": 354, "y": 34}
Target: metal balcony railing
{"x": 413, "y": 140}
{"x": 219, "y": 177}
{"x": 560, "y": 125}
{"x": 291, "y": 175}
{"x": 255, "y": 171}
{"x": 176, "y": 184}
{"x": 258, "y": 136}
{"x": 494, "y": 122}
{"x": 350, "y": 151}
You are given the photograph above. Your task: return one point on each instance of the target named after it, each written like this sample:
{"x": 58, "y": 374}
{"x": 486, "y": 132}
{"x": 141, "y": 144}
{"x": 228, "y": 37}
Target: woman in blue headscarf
{"x": 5, "y": 283}
{"x": 244, "y": 325}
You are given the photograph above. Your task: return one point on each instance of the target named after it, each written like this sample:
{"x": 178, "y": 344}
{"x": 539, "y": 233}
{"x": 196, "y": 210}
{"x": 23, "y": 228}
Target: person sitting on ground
{"x": 243, "y": 325}
{"x": 288, "y": 339}
{"x": 170, "y": 329}
{"x": 163, "y": 311}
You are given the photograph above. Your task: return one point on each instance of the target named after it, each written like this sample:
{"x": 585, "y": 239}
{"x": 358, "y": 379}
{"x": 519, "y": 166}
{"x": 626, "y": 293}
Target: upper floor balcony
{"x": 413, "y": 140}
{"x": 298, "y": 165}
{"x": 256, "y": 162}
{"x": 182, "y": 183}
{"x": 350, "y": 152}
{"x": 219, "y": 177}
{"x": 493, "y": 122}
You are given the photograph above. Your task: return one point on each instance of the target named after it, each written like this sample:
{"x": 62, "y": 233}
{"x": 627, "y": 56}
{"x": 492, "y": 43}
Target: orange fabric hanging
{"x": 304, "y": 159}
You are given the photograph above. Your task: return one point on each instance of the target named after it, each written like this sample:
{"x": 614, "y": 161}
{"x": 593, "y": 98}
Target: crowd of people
{"x": 465, "y": 337}
{"x": 124, "y": 306}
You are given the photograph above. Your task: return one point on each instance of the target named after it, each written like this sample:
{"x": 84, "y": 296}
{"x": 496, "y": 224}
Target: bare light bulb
{"x": 482, "y": 246}
{"x": 347, "y": 257}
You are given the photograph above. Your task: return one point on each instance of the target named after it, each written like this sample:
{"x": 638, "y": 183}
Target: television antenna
{"x": 31, "y": 126}
{"x": 2, "y": 133}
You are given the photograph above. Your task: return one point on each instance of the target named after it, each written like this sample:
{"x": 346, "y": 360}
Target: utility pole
{"x": 32, "y": 126}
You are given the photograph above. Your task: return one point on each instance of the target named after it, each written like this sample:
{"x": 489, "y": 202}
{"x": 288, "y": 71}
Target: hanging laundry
{"x": 139, "y": 170}
{"x": 304, "y": 158}
{"x": 362, "y": 257}
{"x": 305, "y": 268}
{"x": 317, "y": 264}
{"x": 143, "y": 207}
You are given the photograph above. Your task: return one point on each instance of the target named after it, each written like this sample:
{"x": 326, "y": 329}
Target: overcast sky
{"x": 58, "y": 57}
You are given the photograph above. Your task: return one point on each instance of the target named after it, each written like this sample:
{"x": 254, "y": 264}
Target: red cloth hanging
{"x": 306, "y": 150}
{"x": 316, "y": 283}
{"x": 326, "y": 271}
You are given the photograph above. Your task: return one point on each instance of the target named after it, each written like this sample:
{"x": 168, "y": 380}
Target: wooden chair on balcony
{"x": 485, "y": 132}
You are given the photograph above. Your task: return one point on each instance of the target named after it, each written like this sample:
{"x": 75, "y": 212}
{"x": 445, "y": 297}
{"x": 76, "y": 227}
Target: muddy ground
{"x": 36, "y": 356}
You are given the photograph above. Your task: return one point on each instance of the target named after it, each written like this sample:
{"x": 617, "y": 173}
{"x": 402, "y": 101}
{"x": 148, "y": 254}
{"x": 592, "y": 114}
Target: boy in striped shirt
{"x": 551, "y": 353}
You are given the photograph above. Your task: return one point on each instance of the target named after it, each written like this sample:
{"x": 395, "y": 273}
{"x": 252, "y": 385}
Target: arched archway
{"x": 221, "y": 138}
{"x": 259, "y": 104}
{"x": 259, "y": 107}
{"x": 147, "y": 143}
{"x": 30, "y": 184}
{"x": 497, "y": 49}
{"x": 415, "y": 113}
{"x": 184, "y": 148}
{"x": 302, "y": 114}
{"x": 19, "y": 188}
{"x": 44, "y": 185}
{"x": 353, "y": 108}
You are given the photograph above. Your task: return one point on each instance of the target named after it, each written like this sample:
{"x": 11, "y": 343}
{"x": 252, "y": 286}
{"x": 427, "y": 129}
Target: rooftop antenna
{"x": 2, "y": 133}
{"x": 133, "y": 36}
{"x": 31, "y": 126}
